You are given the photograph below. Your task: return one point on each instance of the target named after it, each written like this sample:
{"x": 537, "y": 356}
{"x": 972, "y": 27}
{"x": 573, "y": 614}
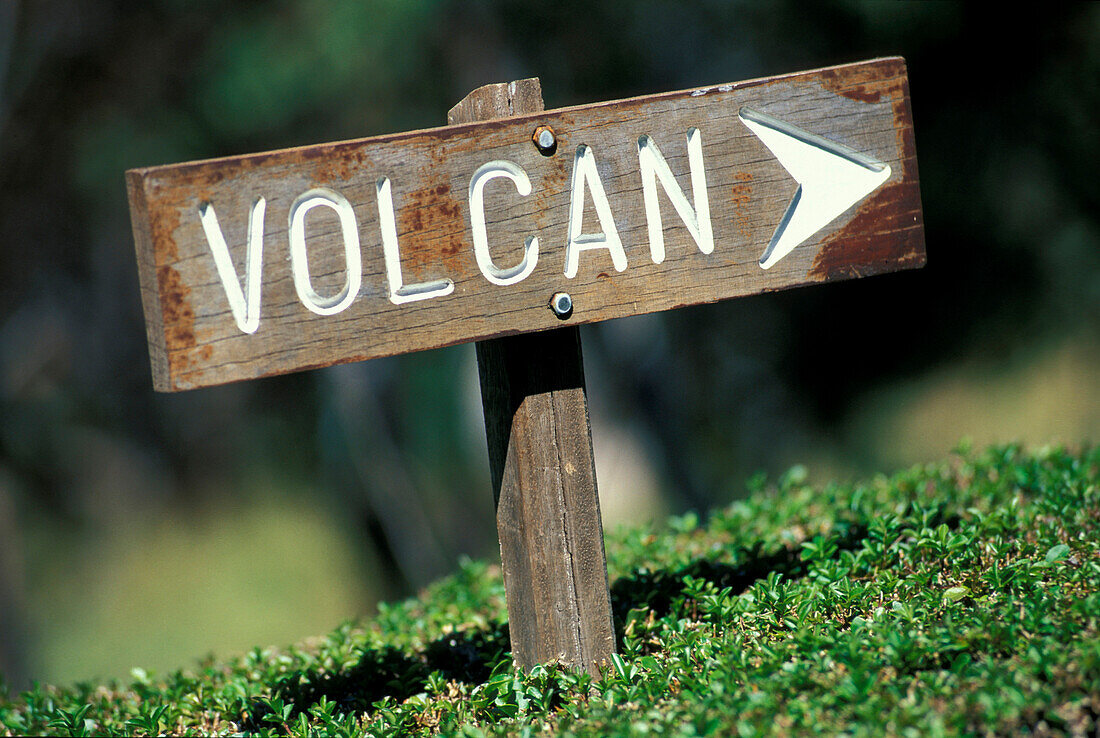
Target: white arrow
{"x": 831, "y": 178}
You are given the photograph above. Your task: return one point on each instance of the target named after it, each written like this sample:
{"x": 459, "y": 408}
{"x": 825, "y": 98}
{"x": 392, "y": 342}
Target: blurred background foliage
{"x": 142, "y": 529}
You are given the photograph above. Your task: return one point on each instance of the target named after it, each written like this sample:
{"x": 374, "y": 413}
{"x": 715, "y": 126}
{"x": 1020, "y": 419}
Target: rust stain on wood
{"x": 164, "y": 219}
{"x": 425, "y": 226}
{"x": 179, "y": 323}
{"x": 179, "y": 316}
{"x": 428, "y": 209}
{"x": 884, "y": 235}
{"x": 741, "y": 195}
{"x": 340, "y": 167}
{"x": 860, "y": 94}
{"x": 907, "y": 149}
{"x": 867, "y": 84}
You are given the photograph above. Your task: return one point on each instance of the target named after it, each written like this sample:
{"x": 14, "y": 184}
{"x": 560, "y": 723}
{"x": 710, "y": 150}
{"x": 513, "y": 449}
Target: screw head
{"x": 562, "y": 304}
{"x": 545, "y": 140}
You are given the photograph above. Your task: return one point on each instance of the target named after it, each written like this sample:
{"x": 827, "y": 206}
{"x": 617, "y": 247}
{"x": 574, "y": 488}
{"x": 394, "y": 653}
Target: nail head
{"x": 562, "y": 304}
{"x": 545, "y": 140}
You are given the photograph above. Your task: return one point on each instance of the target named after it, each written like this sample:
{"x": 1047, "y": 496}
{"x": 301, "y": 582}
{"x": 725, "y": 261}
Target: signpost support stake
{"x": 542, "y": 468}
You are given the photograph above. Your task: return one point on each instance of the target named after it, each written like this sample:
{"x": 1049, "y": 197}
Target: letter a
{"x": 585, "y": 173}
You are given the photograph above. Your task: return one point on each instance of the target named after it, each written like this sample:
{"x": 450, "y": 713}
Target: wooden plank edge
{"x": 155, "y": 326}
{"x": 257, "y": 159}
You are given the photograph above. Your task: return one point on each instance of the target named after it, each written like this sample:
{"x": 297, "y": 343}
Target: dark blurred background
{"x": 149, "y": 530}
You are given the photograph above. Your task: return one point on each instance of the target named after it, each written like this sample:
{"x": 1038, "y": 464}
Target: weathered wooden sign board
{"x": 268, "y": 263}
{"x": 511, "y": 222}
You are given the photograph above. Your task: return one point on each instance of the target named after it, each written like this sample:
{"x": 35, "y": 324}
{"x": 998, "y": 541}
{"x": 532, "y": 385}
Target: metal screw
{"x": 545, "y": 140}
{"x": 562, "y": 304}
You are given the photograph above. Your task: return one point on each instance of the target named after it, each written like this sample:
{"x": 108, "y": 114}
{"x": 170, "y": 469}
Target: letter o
{"x": 299, "y": 260}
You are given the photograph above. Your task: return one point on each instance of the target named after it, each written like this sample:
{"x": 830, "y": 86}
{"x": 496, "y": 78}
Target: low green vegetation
{"x": 956, "y": 597}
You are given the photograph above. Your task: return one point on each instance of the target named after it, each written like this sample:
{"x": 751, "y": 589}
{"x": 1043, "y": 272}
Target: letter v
{"x": 245, "y": 311}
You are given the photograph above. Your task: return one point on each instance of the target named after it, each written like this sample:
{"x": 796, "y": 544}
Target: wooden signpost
{"x": 512, "y": 226}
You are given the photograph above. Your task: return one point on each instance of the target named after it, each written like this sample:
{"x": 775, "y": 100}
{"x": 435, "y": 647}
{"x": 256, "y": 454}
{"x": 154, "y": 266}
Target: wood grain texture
{"x": 194, "y": 340}
{"x": 542, "y": 470}
{"x": 548, "y": 512}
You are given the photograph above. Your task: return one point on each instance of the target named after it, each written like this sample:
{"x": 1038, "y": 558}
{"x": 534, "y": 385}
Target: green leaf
{"x": 620, "y": 666}
{"x": 954, "y": 594}
{"x": 1057, "y": 553}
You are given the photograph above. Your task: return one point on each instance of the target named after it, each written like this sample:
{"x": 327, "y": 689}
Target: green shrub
{"x": 956, "y": 597}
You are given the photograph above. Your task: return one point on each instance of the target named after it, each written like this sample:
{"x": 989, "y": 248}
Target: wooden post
{"x": 542, "y": 467}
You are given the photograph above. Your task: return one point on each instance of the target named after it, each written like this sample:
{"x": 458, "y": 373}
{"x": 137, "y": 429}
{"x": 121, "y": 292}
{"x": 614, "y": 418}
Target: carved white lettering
{"x": 299, "y": 261}
{"x": 586, "y": 175}
{"x": 654, "y": 168}
{"x": 400, "y": 292}
{"x": 244, "y": 295}
{"x": 244, "y": 303}
{"x": 492, "y": 272}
